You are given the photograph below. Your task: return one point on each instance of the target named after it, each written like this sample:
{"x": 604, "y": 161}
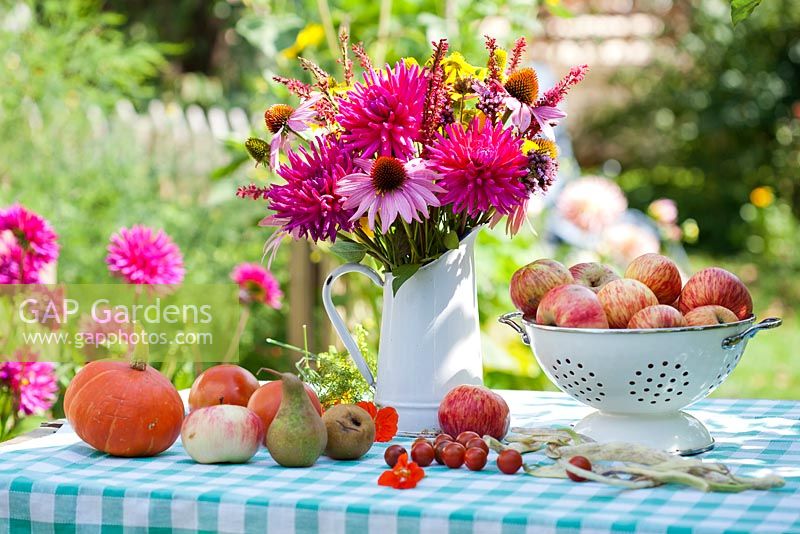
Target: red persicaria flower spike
{"x": 252, "y": 191}
{"x": 435, "y": 96}
{"x": 298, "y": 88}
{"x": 362, "y": 56}
{"x": 491, "y": 65}
{"x": 323, "y": 78}
{"x": 516, "y": 55}
{"x": 404, "y": 475}
{"x": 344, "y": 50}
{"x": 554, "y": 96}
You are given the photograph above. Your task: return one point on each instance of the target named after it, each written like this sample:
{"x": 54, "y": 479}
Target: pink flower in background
{"x": 664, "y": 211}
{"x": 310, "y": 203}
{"x": 387, "y": 188}
{"x": 141, "y": 255}
{"x": 28, "y": 245}
{"x": 33, "y": 384}
{"x": 481, "y": 167}
{"x": 625, "y": 241}
{"x": 256, "y": 284}
{"x": 383, "y": 114}
{"x": 592, "y": 203}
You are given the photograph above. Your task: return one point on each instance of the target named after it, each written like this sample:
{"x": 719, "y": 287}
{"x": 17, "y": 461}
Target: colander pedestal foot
{"x": 676, "y": 432}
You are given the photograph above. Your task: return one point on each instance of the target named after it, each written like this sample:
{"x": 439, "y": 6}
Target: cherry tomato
{"x": 442, "y": 437}
{"x": 475, "y": 458}
{"x": 438, "y": 449}
{"x": 392, "y": 453}
{"x": 581, "y": 462}
{"x": 509, "y": 461}
{"x": 464, "y": 437}
{"x": 477, "y": 443}
{"x": 453, "y": 455}
{"x": 422, "y": 453}
{"x": 420, "y": 440}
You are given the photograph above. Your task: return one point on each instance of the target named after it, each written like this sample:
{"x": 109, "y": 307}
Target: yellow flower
{"x": 311, "y": 35}
{"x": 540, "y": 144}
{"x": 762, "y": 197}
{"x": 455, "y": 66}
{"x": 410, "y": 62}
{"x": 363, "y": 222}
{"x": 339, "y": 88}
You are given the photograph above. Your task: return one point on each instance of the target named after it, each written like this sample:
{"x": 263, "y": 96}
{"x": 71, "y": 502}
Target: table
{"x": 55, "y": 483}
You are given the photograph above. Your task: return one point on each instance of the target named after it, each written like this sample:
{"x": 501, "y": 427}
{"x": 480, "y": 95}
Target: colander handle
{"x": 509, "y": 319}
{"x": 732, "y": 341}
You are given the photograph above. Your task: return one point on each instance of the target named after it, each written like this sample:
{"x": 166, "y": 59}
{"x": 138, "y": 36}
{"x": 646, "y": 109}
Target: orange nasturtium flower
{"x": 404, "y": 474}
{"x": 385, "y": 420}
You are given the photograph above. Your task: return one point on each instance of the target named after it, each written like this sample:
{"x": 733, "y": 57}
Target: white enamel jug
{"x": 430, "y": 335}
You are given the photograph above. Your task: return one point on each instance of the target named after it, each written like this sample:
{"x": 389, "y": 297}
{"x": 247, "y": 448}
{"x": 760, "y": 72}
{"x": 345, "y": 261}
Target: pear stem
{"x": 272, "y": 371}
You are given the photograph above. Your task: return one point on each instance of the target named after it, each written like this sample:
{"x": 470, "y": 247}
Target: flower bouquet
{"x": 402, "y": 166}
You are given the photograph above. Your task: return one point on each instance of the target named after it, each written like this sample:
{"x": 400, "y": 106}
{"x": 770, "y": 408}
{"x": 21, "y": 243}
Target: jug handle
{"x": 338, "y": 322}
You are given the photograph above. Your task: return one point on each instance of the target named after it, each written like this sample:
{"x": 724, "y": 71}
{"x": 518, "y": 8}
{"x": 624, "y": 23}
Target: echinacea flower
{"x": 385, "y": 420}
{"x": 383, "y": 114}
{"x": 522, "y": 89}
{"x": 388, "y": 188}
{"x": 256, "y": 284}
{"x": 141, "y": 255}
{"x": 592, "y": 203}
{"x": 281, "y": 120}
{"x": 481, "y": 168}
{"x": 310, "y": 203}
{"x": 27, "y": 245}
{"x": 33, "y": 384}
{"x": 404, "y": 474}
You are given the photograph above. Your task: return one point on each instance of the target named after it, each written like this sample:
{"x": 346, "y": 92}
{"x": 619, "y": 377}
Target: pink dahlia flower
{"x": 27, "y": 245}
{"x": 383, "y": 115}
{"x": 141, "y": 255}
{"x": 624, "y": 242}
{"x": 310, "y": 204}
{"x": 256, "y": 284}
{"x": 481, "y": 168}
{"x": 390, "y": 189}
{"x": 33, "y": 384}
{"x": 282, "y": 120}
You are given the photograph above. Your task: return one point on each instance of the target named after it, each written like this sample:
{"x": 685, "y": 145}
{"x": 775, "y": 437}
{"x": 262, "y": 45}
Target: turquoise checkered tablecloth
{"x": 67, "y": 488}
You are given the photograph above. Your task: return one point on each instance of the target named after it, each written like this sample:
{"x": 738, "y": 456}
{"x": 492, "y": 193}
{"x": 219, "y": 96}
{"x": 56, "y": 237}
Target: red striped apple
{"x": 593, "y": 275}
{"x": 224, "y": 433}
{"x": 530, "y": 283}
{"x": 710, "y": 315}
{"x": 716, "y": 286}
{"x": 571, "y": 306}
{"x": 659, "y": 273}
{"x": 621, "y": 299}
{"x": 659, "y": 316}
{"x": 474, "y": 408}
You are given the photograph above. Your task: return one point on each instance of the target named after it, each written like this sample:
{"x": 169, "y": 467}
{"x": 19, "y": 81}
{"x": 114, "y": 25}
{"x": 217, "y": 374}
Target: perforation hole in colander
{"x": 575, "y": 379}
{"x": 658, "y": 383}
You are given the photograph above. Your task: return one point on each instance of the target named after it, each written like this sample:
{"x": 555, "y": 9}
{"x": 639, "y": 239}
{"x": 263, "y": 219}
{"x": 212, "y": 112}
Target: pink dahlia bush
{"x": 412, "y": 157}
{"x": 33, "y": 385}
{"x": 141, "y": 255}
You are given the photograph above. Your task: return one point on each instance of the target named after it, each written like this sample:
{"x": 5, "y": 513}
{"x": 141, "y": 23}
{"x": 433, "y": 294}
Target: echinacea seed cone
{"x": 276, "y": 116}
{"x": 387, "y": 174}
{"x": 523, "y": 85}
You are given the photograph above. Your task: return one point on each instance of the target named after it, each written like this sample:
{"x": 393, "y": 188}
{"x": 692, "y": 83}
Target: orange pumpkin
{"x": 222, "y": 384}
{"x": 124, "y": 409}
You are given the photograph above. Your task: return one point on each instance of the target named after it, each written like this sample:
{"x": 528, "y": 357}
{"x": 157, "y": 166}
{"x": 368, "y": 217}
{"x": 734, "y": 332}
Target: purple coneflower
{"x": 390, "y": 188}
{"x": 27, "y": 244}
{"x": 256, "y": 284}
{"x": 310, "y": 203}
{"x": 32, "y": 384}
{"x": 522, "y": 89}
{"x": 281, "y": 120}
{"x": 481, "y": 168}
{"x": 383, "y": 114}
{"x": 141, "y": 255}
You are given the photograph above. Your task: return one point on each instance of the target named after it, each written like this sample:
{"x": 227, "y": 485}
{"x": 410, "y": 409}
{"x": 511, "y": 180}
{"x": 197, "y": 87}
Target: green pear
{"x": 297, "y": 436}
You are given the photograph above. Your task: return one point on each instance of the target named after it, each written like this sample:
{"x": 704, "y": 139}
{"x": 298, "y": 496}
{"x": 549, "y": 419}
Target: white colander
{"x": 639, "y": 380}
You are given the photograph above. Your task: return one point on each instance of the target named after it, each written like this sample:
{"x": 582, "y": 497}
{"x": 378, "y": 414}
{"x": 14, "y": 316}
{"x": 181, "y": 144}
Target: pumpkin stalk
{"x": 139, "y": 365}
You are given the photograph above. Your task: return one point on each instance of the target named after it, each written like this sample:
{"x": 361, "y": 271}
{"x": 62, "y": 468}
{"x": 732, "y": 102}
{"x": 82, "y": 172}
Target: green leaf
{"x": 402, "y": 273}
{"x": 25, "y": 425}
{"x": 742, "y": 9}
{"x": 229, "y": 168}
{"x": 349, "y": 251}
{"x": 451, "y": 240}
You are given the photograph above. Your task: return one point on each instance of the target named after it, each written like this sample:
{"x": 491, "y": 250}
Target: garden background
{"x": 117, "y": 113}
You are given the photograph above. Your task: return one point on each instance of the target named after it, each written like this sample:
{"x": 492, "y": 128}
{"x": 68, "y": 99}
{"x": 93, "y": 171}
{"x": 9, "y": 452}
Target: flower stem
{"x": 245, "y": 315}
